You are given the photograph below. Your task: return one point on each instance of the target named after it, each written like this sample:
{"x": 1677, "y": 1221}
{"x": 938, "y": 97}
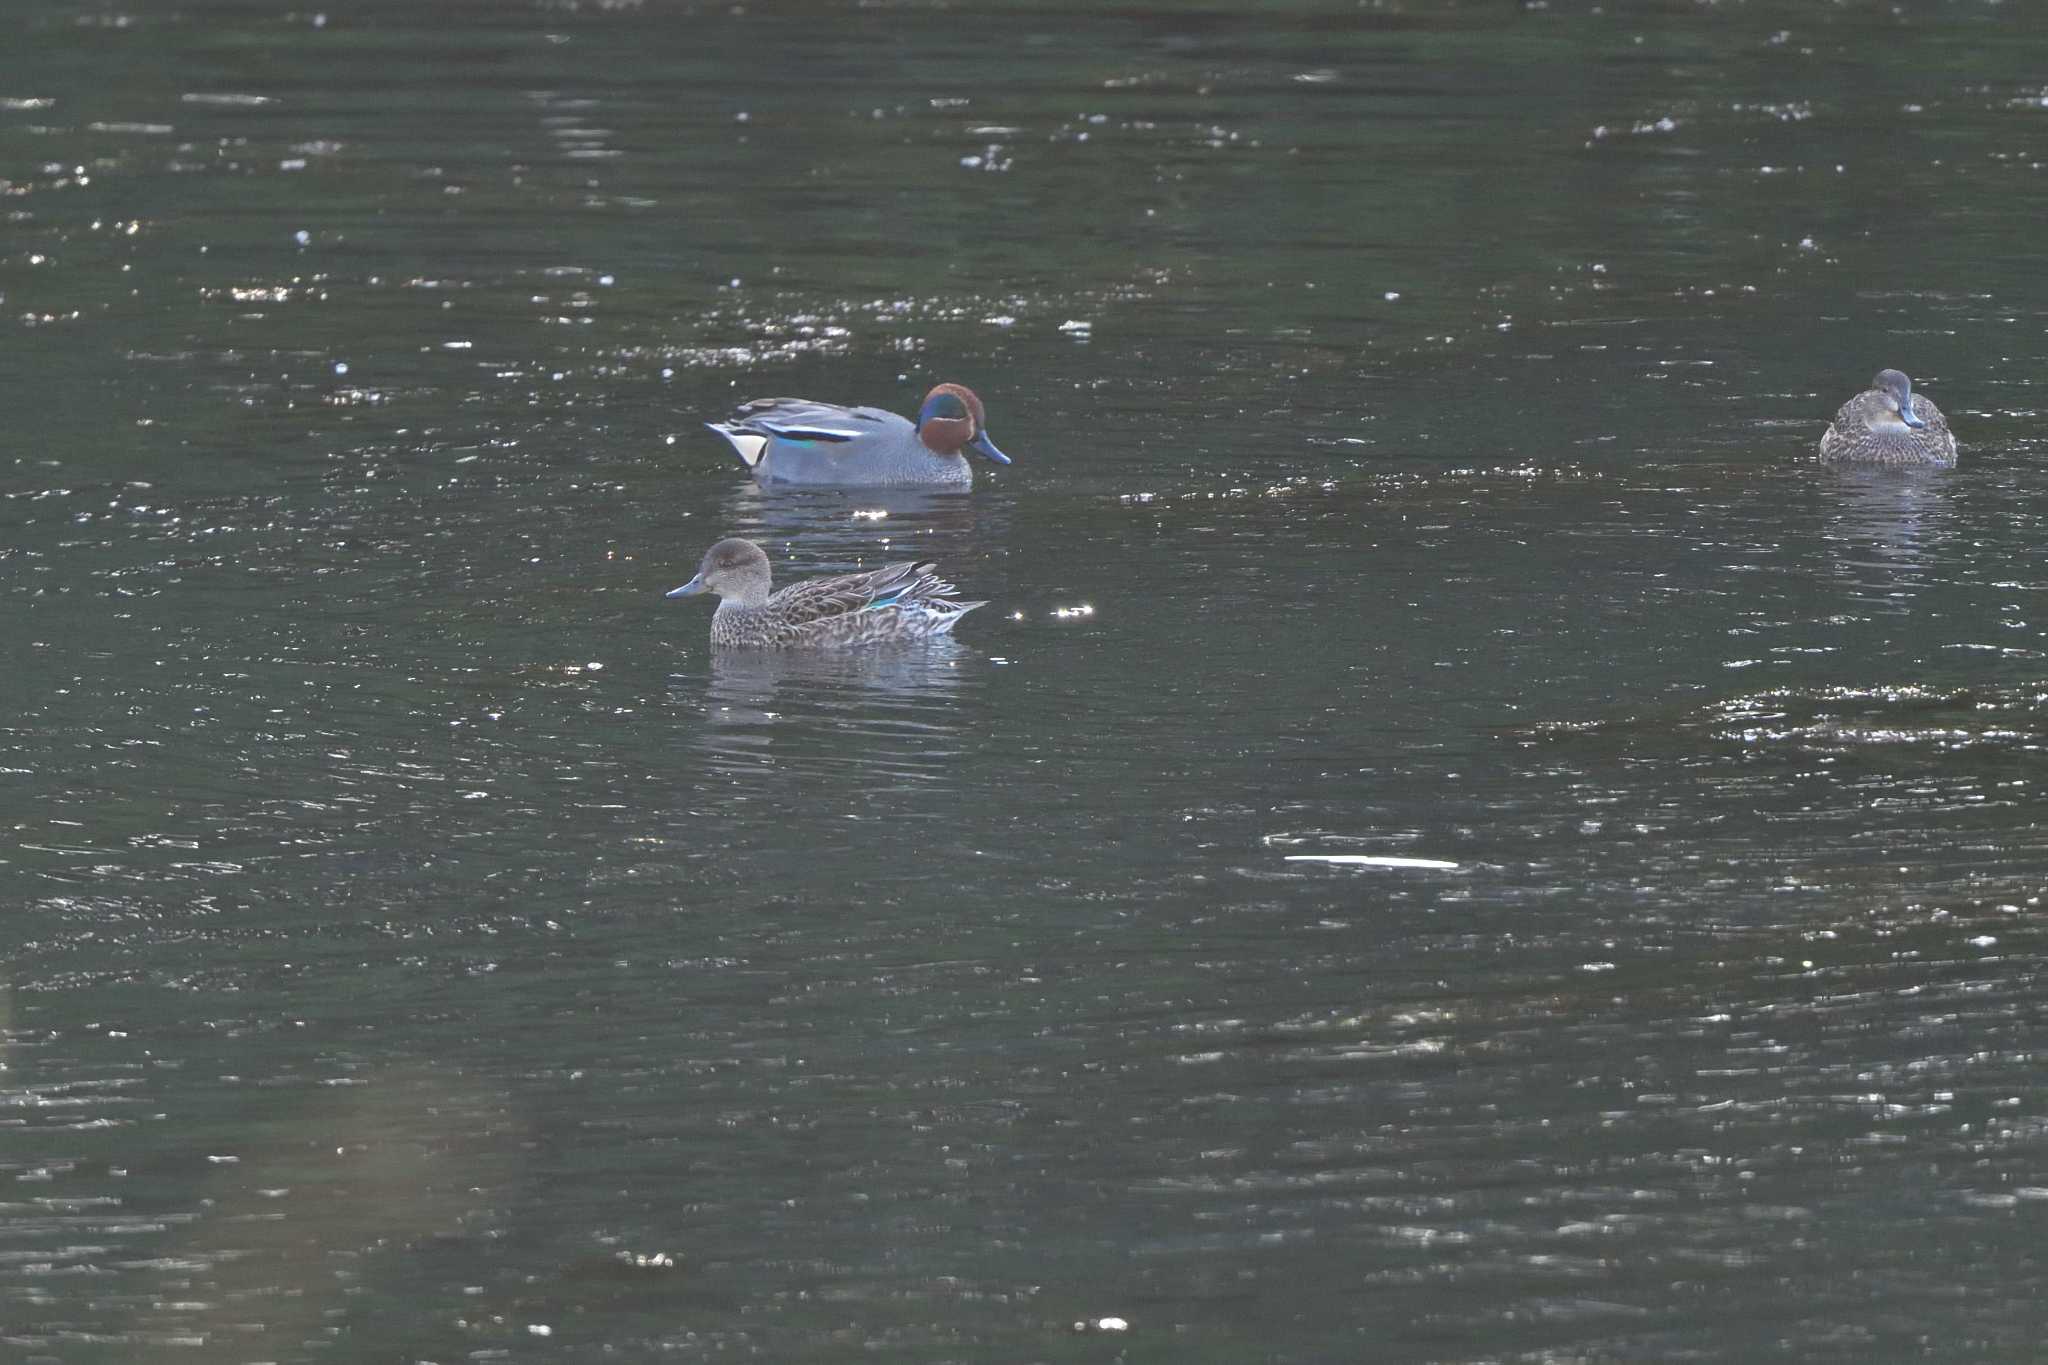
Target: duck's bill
{"x": 1910, "y": 417}
{"x": 983, "y": 446}
{"x": 689, "y": 589}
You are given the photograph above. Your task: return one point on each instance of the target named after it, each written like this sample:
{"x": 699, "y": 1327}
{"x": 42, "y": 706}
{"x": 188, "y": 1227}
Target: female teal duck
{"x": 897, "y": 602}
{"x": 1889, "y": 424}
{"x": 797, "y": 441}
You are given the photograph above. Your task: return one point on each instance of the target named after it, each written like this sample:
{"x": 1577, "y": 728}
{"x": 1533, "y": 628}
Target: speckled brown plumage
{"x": 905, "y": 601}
{"x": 1870, "y": 430}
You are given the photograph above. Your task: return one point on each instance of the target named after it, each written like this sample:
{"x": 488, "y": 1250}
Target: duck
{"x": 1890, "y": 424}
{"x": 896, "y": 602}
{"x": 801, "y": 442}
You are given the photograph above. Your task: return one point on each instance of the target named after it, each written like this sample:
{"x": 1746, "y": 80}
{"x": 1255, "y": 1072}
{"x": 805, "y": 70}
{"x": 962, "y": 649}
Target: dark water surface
{"x": 421, "y": 948}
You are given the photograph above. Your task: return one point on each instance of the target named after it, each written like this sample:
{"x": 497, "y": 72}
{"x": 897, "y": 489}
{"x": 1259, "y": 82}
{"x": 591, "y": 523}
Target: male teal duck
{"x": 896, "y": 602}
{"x": 1889, "y": 424}
{"x": 797, "y": 441}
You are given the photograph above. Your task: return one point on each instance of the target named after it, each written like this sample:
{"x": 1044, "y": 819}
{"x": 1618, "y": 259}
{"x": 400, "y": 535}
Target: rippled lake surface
{"x": 421, "y": 947}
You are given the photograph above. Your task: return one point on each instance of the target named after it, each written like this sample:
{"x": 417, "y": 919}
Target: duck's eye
{"x": 947, "y": 406}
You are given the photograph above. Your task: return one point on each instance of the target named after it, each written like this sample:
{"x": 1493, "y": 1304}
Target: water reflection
{"x": 884, "y": 717}
{"x": 1883, "y": 526}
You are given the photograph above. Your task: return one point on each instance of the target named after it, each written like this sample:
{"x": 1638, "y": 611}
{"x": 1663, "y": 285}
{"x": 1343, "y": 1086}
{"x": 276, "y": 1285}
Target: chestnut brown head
{"x": 952, "y": 420}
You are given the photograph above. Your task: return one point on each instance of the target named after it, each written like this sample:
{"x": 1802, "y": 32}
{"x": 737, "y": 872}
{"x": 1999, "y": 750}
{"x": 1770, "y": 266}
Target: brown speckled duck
{"x": 1889, "y": 424}
{"x": 904, "y": 601}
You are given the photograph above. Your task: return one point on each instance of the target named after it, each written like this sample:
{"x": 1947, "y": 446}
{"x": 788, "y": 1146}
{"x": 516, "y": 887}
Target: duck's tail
{"x": 748, "y": 445}
{"x": 950, "y": 612}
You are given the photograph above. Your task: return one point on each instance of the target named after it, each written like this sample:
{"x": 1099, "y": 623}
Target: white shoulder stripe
{"x": 808, "y": 432}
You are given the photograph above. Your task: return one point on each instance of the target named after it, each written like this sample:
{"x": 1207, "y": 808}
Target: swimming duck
{"x": 1889, "y": 424}
{"x": 896, "y": 602}
{"x": 797, "y": 441}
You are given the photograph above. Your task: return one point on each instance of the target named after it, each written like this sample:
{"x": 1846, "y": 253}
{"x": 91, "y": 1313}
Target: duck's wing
{"x": 1941, "y": 442}
{"x": 892, "y": 585}
{"x": 1850, "y": 430}
{"x": 833, "y": 428}
{"x": 800, "y": 419}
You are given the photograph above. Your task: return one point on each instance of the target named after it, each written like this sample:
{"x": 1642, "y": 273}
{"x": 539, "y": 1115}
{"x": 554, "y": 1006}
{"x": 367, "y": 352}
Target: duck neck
{"x": 751, "y": 595}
